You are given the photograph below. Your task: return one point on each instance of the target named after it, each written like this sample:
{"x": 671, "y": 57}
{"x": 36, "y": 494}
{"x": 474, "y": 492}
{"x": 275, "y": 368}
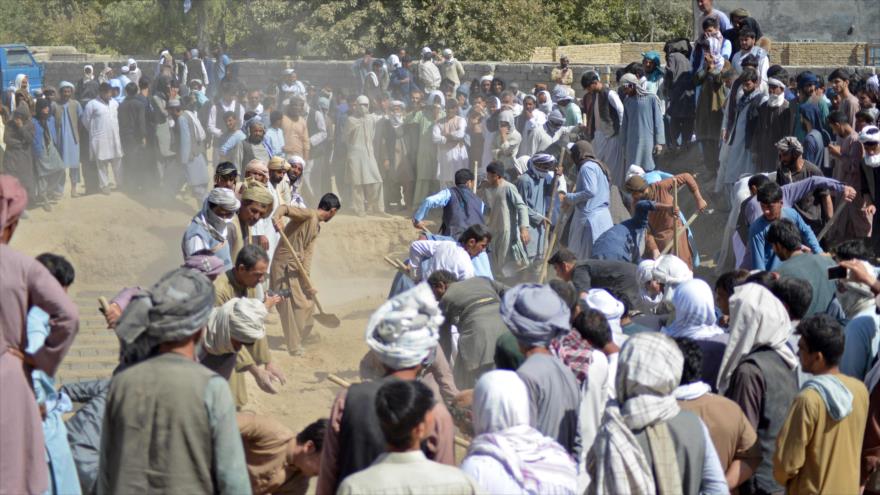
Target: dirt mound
{"x": 108, "y": 238}
{"x": 121, "y": 240}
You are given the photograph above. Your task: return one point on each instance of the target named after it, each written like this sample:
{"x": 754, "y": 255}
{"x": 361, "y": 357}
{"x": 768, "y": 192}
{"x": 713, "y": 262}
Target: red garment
{"x": 575, "y": 352}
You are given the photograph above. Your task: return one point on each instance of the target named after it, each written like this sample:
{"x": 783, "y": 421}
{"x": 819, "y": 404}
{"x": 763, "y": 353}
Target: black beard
{"x": 254, "y": 140}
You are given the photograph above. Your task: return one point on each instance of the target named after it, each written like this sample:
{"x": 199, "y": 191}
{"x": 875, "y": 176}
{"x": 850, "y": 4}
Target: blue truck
{"x": 17, "y": 59}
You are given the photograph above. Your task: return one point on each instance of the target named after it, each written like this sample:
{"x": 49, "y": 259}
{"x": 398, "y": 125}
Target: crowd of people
{"x": 626, "y": 372}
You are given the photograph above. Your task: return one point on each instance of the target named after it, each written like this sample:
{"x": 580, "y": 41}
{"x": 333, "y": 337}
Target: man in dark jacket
{"x": 133, "y": 135}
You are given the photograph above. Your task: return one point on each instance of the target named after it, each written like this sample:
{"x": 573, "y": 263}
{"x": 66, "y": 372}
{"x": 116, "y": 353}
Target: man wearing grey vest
{"x": 758, "y": 372}
{"x": 170, "y": 424}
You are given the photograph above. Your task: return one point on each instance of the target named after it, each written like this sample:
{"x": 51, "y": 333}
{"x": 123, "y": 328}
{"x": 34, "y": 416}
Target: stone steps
{"x": 95, "y": 350}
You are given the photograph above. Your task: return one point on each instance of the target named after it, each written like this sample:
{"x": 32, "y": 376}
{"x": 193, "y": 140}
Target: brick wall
{"x": 783, "y": 53}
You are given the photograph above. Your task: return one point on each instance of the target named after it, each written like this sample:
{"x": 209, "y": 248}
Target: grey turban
{"x": 176, "y": 307}
{"x": 790, "y": 143}
{"x": 535, "y": 314}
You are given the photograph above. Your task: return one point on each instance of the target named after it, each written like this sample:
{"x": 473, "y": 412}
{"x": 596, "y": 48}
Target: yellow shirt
{"x": 815, "y": 453}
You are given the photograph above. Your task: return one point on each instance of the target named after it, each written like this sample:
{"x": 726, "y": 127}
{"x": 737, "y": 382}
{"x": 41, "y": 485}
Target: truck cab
{"x": 17, "y": 59}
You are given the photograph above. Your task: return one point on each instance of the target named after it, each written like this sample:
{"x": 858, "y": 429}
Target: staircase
{"x": 95, "y": 350}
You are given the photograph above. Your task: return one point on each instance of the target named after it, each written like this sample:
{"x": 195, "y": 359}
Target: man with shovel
{"x": 290, "y": 270}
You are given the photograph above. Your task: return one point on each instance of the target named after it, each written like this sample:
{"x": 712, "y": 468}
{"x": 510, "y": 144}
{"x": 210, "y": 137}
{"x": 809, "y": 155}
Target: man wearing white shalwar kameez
{"x": 366, "y": 181}
{"x": 100, "y": 118}
{"x": 449, "y": 136}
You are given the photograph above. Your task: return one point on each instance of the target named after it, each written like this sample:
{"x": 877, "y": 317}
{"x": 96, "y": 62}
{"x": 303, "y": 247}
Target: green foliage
{"x": 341, "y": 29}
{"x": 604, "y": 21}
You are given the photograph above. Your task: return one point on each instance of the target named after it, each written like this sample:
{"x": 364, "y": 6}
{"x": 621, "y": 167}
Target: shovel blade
{"x": 327, "y": 320}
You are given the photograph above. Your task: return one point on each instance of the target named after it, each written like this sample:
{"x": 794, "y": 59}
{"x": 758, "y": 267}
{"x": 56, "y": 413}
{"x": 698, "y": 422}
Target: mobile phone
{"x": 284, "y": 293}
{"x": 836, "y": 272}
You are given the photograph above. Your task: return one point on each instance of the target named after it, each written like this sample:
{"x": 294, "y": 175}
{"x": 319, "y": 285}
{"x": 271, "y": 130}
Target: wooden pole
{"x": 560, "y": 225}
{"x": 476, "y": 177}
{"x": 679, "y": 231}
{"x": 461, "y": 442}
{"x": 675, "y": 214}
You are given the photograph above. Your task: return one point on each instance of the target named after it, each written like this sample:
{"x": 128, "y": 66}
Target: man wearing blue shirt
{"x": 770, "y": 197}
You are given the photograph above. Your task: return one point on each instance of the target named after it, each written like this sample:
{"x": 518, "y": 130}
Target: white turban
{"x": 404, "y": 331}
{"x": 775, "y": 82}
{"x": 362, "y": 100}
{"x": 605, "y": 303}
{"x": 645, "y": 275}
{"x": 224, "y": 198}
{"x": 240, "y": 318}
{"x": 634, "y": 170}
{"x": 671, "y": 271}
{"x": 486, "y": 78}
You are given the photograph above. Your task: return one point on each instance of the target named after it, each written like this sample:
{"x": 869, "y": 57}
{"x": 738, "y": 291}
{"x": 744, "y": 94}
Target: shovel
{"x": 328, "y": 320}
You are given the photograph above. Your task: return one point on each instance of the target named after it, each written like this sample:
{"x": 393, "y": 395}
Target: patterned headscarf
{"x": 649, "y": 370}
{"x": 537, "y": 463}
{"x": 404, "y": 331}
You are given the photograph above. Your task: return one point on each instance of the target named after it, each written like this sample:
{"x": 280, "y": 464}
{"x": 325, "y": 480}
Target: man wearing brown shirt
{"x": 733, "y": 436}
{"x": 278, "y": 461}
{"x": 302, "y": 231}
{"x": 296, "y": 130}
{"x": 662, "y": 222}
{"x": 251, "y": 266}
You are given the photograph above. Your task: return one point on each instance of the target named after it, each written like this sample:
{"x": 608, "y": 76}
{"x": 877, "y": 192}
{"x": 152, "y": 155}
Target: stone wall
{"x": 260, "y": 73}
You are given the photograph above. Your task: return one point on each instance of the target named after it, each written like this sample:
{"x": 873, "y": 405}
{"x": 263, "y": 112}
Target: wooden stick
{"x": 560, "y": 225}
{"x": 461, "y": 442}
{"x": 830, "y": 223}
{"x": 679, "y": 231}
{"x": 476, "y": 178}
{"x": 675, "y": 214}
{"x": 103, "y": 305}
{"x": 553, "y": 200}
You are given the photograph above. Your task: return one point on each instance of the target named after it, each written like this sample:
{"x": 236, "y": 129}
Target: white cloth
{"x": 264, "y": 226}
{"x": 197, "y": 125}
{"x": 444, "y": 255}
{"x": 671, "y": 271}
{"x": 240, "y": 318}
{"x": 692, "y": 391}
{"x": 594, "y": 397}
{"x": 404, "y": 331}
{"x": 757, "y": 319}
{"x": 102, "y": 121}
{"x": 602, "y": 301}
{"x": 645, "y": 272}
{"x": 535, "y": 464}
{"x": 694, "y": 312}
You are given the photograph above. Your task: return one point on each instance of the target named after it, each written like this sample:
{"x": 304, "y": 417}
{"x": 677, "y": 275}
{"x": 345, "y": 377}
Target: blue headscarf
{"x": 811, "y": 113}
{"x": 656, "y": 74}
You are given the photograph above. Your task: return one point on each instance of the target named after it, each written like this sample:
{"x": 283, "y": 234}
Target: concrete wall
{"x": 813, "y": 20}
{"x": 260, "y": 73}
{"x": 784, "y": 53}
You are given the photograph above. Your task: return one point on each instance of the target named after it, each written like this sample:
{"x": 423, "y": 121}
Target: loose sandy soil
{"x": 115, "y": 241}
